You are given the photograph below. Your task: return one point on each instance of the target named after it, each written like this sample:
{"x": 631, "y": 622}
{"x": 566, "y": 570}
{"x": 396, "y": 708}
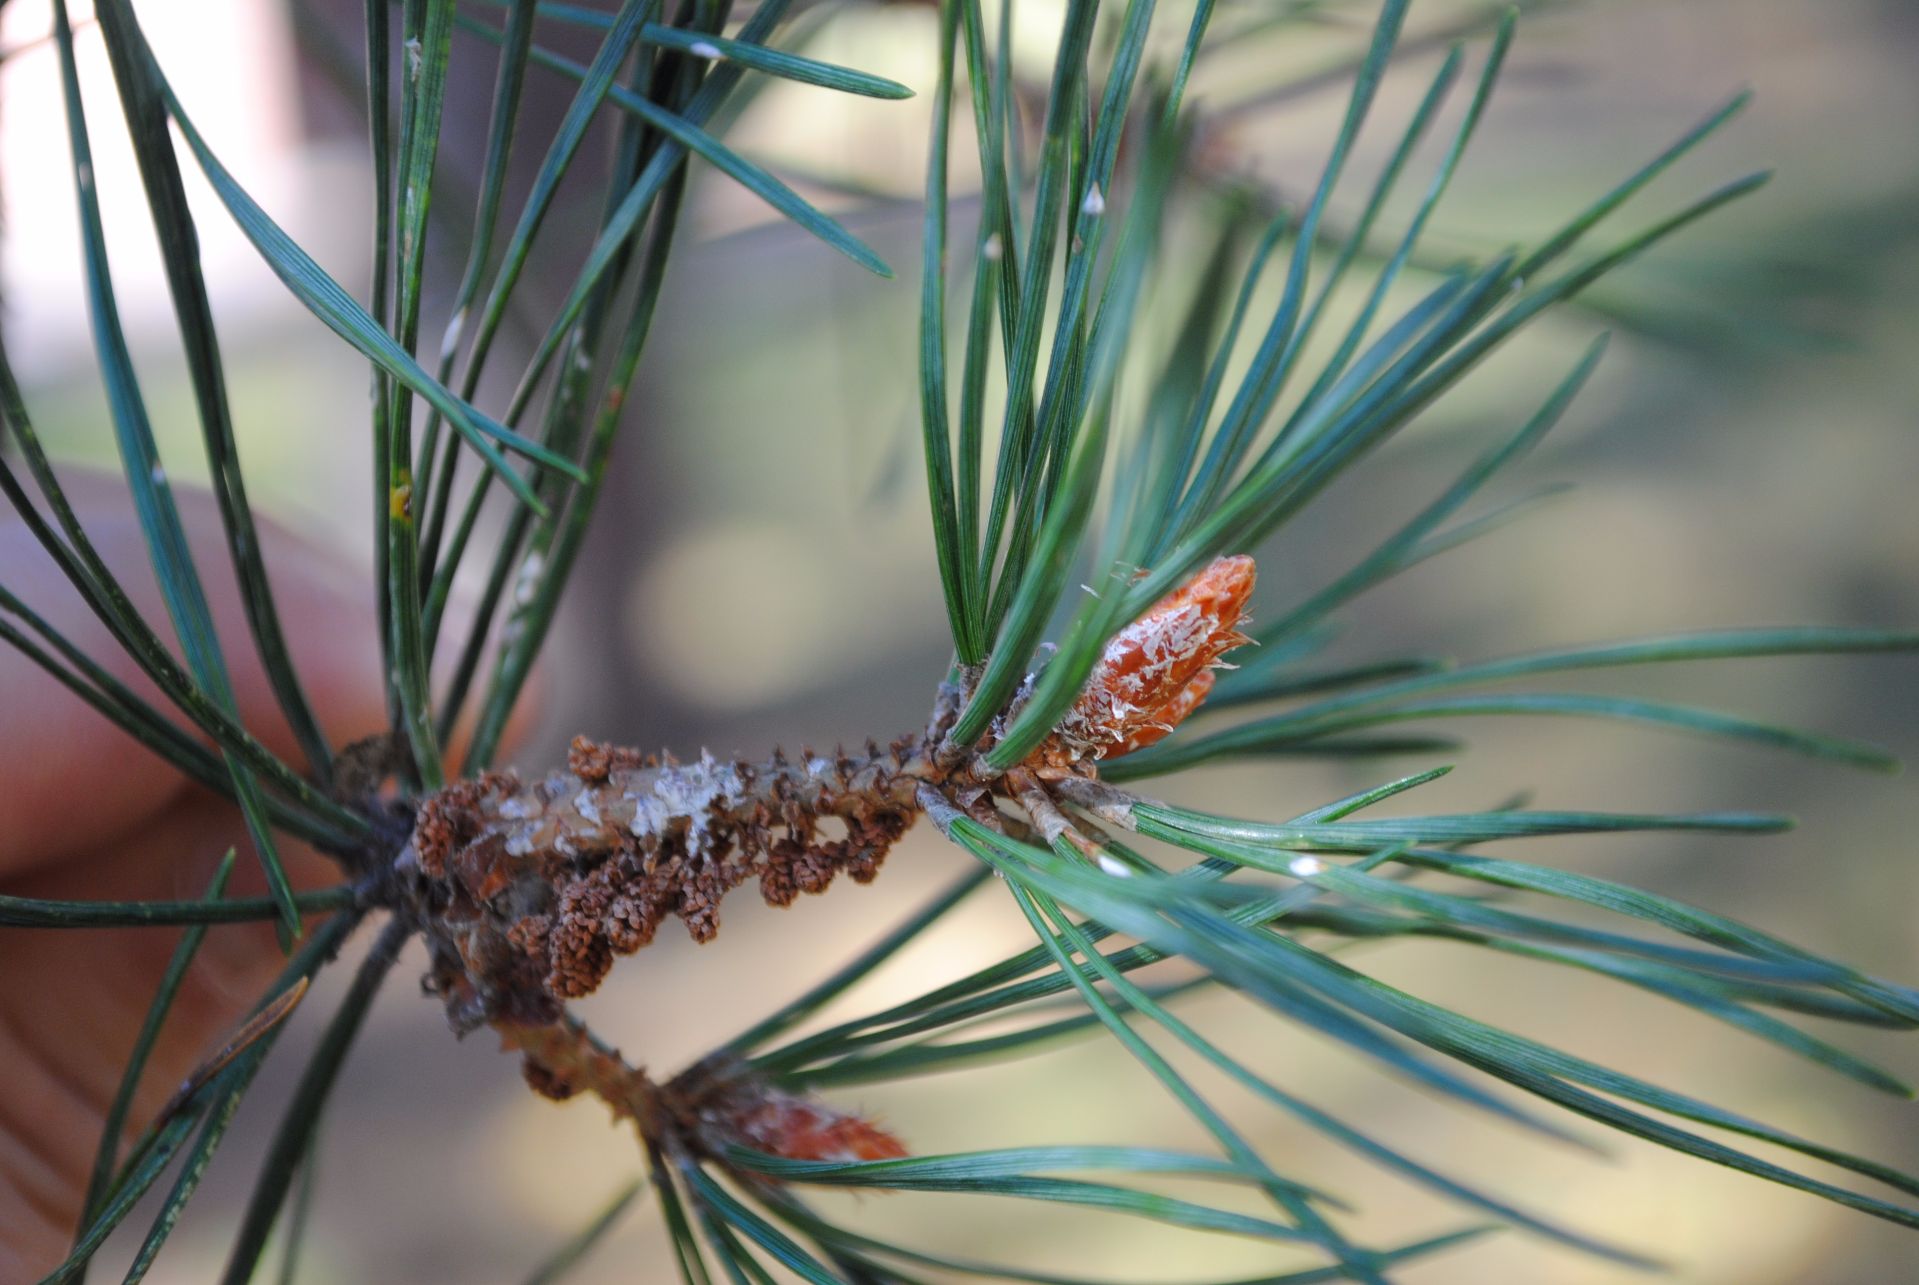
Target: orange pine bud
{"x": 1157, "y": 670}
{"x": 1170, "y": 715}
{"x": 799, "y": 1128}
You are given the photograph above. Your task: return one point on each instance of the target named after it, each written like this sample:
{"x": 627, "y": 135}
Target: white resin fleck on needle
{"x": 527, "y": 587}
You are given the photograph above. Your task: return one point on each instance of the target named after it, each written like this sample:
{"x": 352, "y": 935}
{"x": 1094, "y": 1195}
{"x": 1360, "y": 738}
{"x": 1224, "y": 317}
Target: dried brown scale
{"x": 531, "y": 889}
{"x": 546, "y": 1081}
{"x": 563, "y": 1059}
{"x": 594, "y": 761}
{"x": 449, "y": 819}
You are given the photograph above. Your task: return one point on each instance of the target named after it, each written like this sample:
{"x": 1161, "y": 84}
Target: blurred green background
{"x": 762, "y": 575}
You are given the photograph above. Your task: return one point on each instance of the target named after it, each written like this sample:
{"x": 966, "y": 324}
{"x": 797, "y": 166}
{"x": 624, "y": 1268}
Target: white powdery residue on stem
{"x": 583, "y": 804}
{"x": 650, "y": 813}
{"x": 694, "y": 792}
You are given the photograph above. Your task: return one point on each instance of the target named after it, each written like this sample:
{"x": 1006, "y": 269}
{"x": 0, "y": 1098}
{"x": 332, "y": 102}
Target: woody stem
{"x": 565, "y": 1058}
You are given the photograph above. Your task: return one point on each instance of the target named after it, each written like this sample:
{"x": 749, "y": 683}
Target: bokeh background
{"x": 762, "y": 575}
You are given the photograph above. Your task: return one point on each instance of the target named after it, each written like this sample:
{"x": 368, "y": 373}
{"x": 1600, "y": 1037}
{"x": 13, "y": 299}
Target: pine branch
{"x": 1048, "y": 472}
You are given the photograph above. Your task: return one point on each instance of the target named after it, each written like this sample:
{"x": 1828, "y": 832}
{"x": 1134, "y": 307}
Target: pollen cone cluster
{"x": 531, "y": 889}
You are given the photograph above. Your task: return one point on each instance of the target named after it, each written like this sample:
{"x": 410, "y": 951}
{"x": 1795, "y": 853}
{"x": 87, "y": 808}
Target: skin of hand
{"x": 88, "y": 813}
